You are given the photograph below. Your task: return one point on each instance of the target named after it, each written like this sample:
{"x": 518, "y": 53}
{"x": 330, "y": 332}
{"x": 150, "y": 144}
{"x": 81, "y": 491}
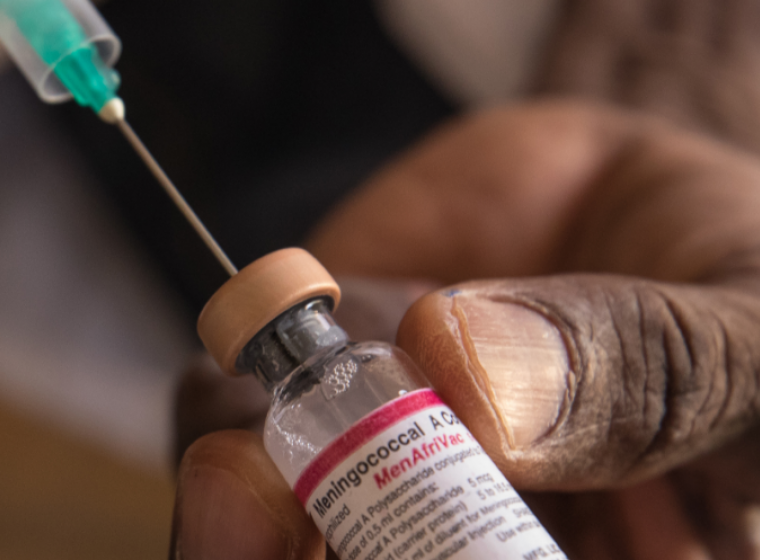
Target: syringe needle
{"x": 175, "y": 195}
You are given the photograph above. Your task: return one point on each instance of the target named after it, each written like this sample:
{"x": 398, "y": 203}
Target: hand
{"x": 607, "y": 352}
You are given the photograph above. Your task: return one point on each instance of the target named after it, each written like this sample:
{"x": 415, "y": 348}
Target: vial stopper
{"x": 257, "y": 295}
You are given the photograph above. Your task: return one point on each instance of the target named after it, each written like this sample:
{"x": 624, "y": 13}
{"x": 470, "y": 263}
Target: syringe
{"x": 66, "y": 50}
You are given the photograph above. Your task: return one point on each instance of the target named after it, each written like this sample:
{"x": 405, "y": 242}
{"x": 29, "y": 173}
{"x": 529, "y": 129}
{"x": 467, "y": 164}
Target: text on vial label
{"x": 409, "y": 482}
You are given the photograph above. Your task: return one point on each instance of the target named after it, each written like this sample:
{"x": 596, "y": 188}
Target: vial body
{"x": 320, "y": 402}
{"x": 382, "y": 465}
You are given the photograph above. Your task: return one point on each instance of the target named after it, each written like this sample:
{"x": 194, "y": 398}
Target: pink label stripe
{"x": 359, "y": 434}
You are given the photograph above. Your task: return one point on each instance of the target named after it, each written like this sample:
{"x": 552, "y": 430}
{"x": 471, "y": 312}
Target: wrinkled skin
{"x": 606, "y": 356}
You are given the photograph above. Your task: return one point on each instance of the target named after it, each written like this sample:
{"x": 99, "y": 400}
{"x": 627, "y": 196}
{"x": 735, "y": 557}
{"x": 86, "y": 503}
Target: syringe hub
{"x": 64, "y": 48}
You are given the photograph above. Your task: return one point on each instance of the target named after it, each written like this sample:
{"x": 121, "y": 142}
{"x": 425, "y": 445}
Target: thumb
{"x": 590, "y": 381}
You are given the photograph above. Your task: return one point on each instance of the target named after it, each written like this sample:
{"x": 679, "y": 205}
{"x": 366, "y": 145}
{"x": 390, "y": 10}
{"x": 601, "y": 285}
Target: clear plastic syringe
{"x": 66, "y": 50}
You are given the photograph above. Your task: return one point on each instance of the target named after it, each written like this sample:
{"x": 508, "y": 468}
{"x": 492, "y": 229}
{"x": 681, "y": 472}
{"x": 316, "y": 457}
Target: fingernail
{"x": 524, "y": 359}
{"x": 219, "y": 517}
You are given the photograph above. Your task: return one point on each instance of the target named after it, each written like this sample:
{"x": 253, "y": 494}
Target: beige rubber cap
{"x": 256, "y": 295}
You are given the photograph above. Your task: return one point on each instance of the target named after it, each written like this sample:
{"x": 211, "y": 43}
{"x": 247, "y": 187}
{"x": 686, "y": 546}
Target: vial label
{"x": 409, "y": 482}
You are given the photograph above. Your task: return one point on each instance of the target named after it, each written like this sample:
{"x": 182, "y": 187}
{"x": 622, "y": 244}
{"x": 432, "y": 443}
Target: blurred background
{"x": 265, "y": 113}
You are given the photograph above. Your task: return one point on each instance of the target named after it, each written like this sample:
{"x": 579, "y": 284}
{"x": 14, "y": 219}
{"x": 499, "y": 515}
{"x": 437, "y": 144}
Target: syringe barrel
{"x": 38, "y": 34}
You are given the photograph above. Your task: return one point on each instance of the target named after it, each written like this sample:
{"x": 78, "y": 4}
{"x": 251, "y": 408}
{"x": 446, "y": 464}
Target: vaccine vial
{"x": 385, "y": 469}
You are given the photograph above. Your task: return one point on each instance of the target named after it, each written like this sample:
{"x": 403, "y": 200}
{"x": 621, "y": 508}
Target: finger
{"x": 591, "y": 381}
{"x": 504, "y": 182}
{"x": 548, "y": 187}
{"x": 207, "y": 400}
{"x": 232, "y": 503}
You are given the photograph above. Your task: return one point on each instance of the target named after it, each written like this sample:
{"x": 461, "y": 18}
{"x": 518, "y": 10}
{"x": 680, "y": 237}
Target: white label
{"x": 409, "y": 482}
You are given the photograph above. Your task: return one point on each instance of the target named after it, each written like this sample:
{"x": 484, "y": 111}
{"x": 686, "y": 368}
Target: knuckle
{"x": 686, "y": 372}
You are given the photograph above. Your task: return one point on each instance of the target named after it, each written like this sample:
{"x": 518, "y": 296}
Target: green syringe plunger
{"x": 64, "y": 48}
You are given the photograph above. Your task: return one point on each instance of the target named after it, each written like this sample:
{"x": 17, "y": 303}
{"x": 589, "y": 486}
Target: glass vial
{"x": 382, "y": 465}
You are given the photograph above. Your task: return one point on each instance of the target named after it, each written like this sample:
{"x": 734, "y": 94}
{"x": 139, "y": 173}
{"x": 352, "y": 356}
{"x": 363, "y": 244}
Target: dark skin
{"x": 606, "y": 357}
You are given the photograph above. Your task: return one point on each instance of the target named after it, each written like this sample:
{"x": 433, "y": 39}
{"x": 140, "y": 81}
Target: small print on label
{"x": 409, "y": 482}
